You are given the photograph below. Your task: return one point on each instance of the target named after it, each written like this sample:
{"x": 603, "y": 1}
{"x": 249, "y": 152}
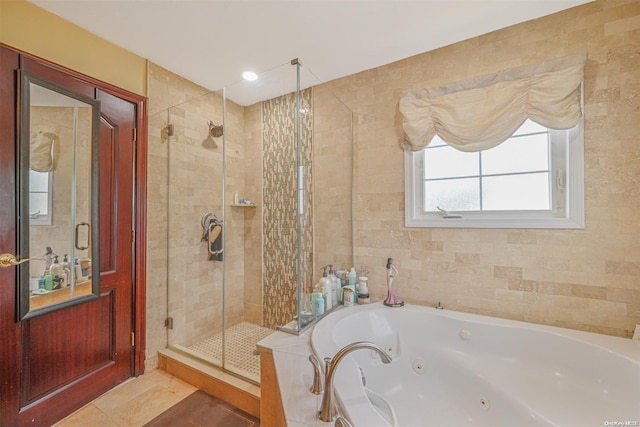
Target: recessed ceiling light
{"x": 249, "y": 75}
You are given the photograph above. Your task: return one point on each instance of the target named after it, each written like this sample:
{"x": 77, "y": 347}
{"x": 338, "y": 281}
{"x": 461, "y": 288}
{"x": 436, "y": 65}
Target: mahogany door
{"x": 54, "y": 363}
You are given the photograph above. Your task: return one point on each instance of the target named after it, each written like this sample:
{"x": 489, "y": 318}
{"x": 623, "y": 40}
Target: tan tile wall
{"x": 253, "y": 216}
{"x": 332, "y": 181}
{"x": 583, "y": 279}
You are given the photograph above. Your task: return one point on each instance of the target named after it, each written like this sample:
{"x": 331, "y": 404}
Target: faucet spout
{"x": 328, "y": 411}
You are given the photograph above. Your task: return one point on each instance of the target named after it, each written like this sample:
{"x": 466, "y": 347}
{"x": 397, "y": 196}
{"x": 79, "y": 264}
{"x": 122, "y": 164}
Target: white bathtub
{"x": 459, "y": 369}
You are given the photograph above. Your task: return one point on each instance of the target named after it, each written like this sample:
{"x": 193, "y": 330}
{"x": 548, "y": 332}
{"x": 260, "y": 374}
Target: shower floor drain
{"x": 240, "y": 345}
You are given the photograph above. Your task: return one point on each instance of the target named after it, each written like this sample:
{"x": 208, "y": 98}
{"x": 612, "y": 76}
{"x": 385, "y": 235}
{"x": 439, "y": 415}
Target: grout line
{"x": 240, "y": 342}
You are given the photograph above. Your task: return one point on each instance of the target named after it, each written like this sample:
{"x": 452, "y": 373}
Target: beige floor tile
{"x": 87, "y": 416}
{"x": 142, "y": 408}
{"x": 123, "y": 394}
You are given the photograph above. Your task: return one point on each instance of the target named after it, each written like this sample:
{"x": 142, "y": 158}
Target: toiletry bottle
{"x": 48, "y": 282}
{"x": 319, "y": 305}
{"x": 363, "y": 290}
{"x": 66, "y": 269}
{"x": 325, "y": 286}
{"x": 314, "y": 295}
{"x": 352, "y": 283}
{"x": 56, "y": 268}
{"x": 335, "y": 284}
{"x": 336, "y": 279}
{"x": 348, "y": 296}
{"x": 78, "y": 271}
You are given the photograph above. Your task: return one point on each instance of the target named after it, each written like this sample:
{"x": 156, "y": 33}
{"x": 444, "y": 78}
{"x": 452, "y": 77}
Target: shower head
{"x": 215, "y": 131}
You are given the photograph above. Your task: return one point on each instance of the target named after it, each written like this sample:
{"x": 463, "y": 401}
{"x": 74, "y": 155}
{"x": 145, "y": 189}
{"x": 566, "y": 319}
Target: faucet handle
{"x": 318, "y": 386}
{"x": 342, "y": 422}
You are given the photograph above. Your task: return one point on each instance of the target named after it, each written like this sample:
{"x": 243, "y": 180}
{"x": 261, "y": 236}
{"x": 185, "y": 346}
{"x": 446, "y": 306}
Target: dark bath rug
{"x": 200, "y": 409}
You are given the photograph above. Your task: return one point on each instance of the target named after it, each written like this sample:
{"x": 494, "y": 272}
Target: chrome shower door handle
{"x": 77, "y": 244}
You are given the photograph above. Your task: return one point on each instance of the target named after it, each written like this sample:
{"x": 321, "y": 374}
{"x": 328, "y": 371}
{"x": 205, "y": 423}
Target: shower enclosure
{"x": 259, "y": 197}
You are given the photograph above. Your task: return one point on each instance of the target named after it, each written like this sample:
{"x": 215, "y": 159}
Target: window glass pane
{"x": 38, "y": 181}
{"x": 38, "y": 202}
{"x": 436, "y": 142}
{"x": 522, "y": 154}
{"x": 529, "y": 127}
{"x": 453, "y": 194}
{"x": 447, "y": 162}
{"x": 516, "y": 192}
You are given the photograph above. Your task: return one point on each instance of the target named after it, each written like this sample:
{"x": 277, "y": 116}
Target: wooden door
{"x": 54, "y": 363}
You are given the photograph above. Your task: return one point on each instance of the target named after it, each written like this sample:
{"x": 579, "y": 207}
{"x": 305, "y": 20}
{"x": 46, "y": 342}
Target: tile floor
{"x": 131, "y": 404}
{"x": 240, "y": 346}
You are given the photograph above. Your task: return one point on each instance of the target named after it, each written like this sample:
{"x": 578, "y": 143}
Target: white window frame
{"x": 571, "y": 218}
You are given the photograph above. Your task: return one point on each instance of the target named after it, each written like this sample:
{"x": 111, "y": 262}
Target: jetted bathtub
{"x": 459, "y": 369}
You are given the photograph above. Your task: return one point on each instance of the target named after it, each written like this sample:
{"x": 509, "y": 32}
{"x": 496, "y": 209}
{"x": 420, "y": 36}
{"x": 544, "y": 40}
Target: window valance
{"x": 480, "y": 113}
{"x": 41, "y": 154}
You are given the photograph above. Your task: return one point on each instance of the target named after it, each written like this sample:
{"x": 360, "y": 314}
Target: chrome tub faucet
{"x": 328, "y": 411}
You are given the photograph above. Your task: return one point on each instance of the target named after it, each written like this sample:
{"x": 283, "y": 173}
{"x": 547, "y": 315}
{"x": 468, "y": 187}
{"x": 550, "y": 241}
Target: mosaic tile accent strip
{"x": 280, "y": 206}
{"x": 240, "y": 343}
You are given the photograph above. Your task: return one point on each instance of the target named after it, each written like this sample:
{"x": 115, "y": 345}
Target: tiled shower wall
{"x": 253, "y": 216}
{"x": 280, "y": 207}
{"x": 332, "y": 181}
{"x": 582, "y": 279}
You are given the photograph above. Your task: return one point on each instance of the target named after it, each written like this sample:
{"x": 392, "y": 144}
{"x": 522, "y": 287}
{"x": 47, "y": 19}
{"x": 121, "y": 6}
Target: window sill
{"x": 494, "y": 221}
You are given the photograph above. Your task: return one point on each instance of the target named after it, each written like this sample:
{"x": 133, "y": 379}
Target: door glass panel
{"x": 58, "y": 196}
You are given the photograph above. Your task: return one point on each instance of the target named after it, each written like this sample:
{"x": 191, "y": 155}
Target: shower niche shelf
{"x": 243, "y": 205}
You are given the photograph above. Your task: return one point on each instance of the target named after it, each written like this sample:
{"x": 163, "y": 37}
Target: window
{"x": 532, "y": 180}
{"x": 40, "y": 195}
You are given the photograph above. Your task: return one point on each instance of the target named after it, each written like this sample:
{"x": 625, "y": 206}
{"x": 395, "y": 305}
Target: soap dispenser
{"x": 56, "y": 271}
{"x": 66, "y": 268}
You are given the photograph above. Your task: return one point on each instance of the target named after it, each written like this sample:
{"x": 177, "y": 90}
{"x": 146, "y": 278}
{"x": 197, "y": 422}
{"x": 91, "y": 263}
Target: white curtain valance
{"x": 41, "y": 154}
{"x": 480, "y": 113}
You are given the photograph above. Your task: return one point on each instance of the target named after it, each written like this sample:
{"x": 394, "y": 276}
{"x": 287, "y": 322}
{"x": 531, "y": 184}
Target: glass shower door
{"x": 195, "y": 214}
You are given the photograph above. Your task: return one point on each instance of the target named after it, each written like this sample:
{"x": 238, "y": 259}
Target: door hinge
{"x": 133, "y": 339}
{"x": 133, "y": 237}
{"x": 168, "y": 323}
{"x": 135, "y": 134}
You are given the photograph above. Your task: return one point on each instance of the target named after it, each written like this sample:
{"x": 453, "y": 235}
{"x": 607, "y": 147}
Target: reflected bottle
{"x": 57, "y": 272}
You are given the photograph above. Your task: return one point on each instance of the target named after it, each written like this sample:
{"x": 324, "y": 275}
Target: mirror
{"x": 58, "y": 197}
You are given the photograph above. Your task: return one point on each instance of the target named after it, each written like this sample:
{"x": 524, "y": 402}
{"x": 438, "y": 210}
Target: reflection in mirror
{"x": 58, "y": 146}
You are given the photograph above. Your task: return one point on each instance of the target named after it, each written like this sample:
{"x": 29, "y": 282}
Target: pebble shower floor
{"x": 240, "y": 343}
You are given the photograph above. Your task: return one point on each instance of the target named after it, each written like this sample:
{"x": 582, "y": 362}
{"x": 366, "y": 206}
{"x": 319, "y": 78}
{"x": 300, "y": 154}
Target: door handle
{"x": 8, "y": 260}
{"x": 83, "y": 224}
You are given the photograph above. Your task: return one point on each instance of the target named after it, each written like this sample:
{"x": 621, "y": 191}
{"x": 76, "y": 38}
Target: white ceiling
{"x": 211, "y": 42}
